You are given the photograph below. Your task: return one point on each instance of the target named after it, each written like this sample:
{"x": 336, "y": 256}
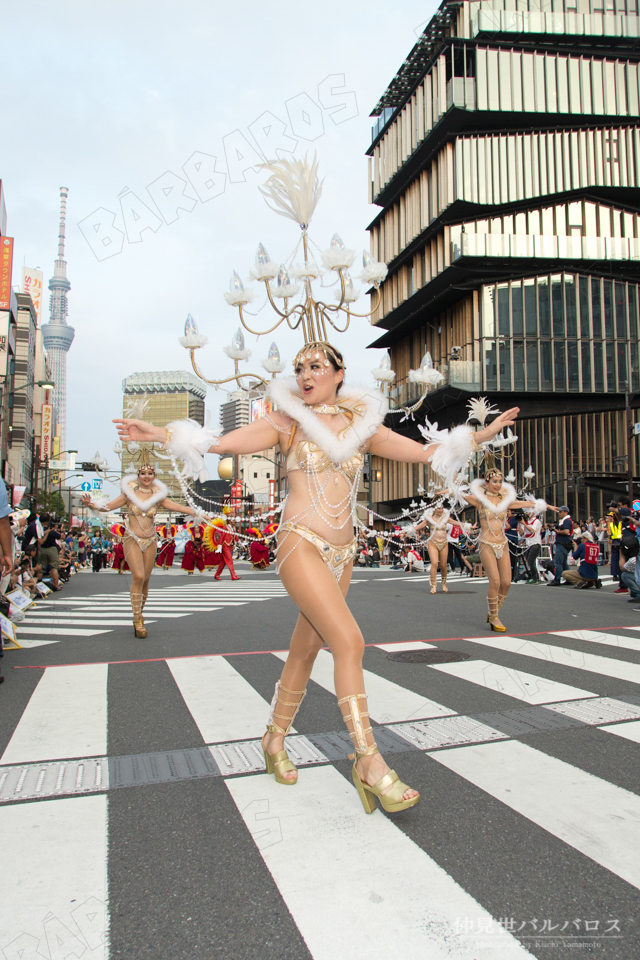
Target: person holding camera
{"x": 585, "y": 574}
{"x": 50, "y": 548}
{"x": 531, "y": 529}
{"x": 564, "y": 543}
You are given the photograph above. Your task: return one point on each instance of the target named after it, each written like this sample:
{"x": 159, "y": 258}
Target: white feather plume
{"x": 237, "y": 354}
{"x": 428, "y": 376}
{"x": 381, "y": 373}
{"x": 335, "y": 258}
{"x": 135, "y": 409}
{"x": 193, "y": 340}
{"x": 293, "y": 190}
{"x": 189, "y": 442}
{"x": 479, "y": 409}
{"x": 454, "y": 451}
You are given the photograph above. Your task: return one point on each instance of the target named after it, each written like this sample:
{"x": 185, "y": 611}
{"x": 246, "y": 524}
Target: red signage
{"x": 236, "y": 495}
{"x": 6, "y": 263}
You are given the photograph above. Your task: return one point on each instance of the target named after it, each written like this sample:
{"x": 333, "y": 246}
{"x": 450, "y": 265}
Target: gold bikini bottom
{"x": 335, "y": 557}
{"x": 439, "y": 546}
{"x": 498, "y": 548}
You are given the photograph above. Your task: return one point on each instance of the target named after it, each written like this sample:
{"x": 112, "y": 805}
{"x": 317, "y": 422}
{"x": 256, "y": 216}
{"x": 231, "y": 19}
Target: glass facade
{"x": 560, "y": 333}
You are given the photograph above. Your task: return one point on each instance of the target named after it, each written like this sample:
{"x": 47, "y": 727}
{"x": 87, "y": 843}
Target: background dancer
{"x": 493, "y": 498}
{"x": 142, "y": 496}
{"x": 168, "y": 549}
{"x": 194, "y": 552}
{"x": 325, "y": 429}
{"x": 437, "y": 544}
{"x": 258, "y": 550}
{"x": 221, "y": 535}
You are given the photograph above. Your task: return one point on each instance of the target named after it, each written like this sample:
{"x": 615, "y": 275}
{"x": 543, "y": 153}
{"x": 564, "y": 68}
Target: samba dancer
{"x": 493, "y": 498}
{"x": 437, "y": 519}
{"x": 141, "y": 498}
{"x": 325, "y": 427}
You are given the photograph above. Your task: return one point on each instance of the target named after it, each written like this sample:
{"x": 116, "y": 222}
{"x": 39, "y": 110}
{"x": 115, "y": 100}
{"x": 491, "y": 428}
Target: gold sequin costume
{"x": 324, "y": 457}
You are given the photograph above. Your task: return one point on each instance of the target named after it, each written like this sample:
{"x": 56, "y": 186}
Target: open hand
{"x": 86, "y": 499}
{"x": 139, "y": 430}
{"x": 506, "y": 419}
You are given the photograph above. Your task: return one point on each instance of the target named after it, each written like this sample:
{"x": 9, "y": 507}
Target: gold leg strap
{"x": 493, "y": 605}
{"x": 278, "y": 701}
{"x": 356, "y": 716}
{"x": 501, "y": 600}
{"x": 137, "y": 604}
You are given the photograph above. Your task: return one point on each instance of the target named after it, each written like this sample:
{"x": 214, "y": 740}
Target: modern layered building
{"x": 169, "y": 395}
{"x": 505, "y": 160}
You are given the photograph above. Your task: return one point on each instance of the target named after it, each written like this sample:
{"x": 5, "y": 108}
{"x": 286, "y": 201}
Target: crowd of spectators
{"x": 563, "y": 552}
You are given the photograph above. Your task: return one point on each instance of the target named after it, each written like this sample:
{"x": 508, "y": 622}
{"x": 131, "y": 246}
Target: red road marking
{"x": 252, "y": 653}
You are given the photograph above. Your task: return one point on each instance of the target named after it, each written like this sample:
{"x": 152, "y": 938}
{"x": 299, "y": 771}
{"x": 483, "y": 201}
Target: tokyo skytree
{"x": 57, "y": 334}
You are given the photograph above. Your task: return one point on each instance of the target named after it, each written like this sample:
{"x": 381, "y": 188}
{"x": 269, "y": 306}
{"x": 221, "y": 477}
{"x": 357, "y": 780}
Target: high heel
{"x": 492, "y": 616}
{"x": 279, "y": 763}
{"x": 140, "y": 630}
{"x": 393, "y": 800}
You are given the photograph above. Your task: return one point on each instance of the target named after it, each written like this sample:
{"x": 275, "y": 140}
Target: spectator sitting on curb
{"x": 586, "y": 555}
{"x": 628, "y": 577}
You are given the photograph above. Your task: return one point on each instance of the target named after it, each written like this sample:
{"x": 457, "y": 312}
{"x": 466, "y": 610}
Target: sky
{"x": 127, "y": 103}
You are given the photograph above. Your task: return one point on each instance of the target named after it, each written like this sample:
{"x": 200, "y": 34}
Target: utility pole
{"x": 630, "y": 444}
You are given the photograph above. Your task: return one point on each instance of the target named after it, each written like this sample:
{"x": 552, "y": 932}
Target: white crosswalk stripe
{"x": 81, "y": 617}
{"x": 321, "y": 821}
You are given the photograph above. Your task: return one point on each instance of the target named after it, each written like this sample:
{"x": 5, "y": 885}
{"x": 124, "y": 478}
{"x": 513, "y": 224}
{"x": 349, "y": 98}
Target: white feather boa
{"x": 455, "y": 449}
{"x": 507, "y": 492}
{"x": 189, "y": 442}
{"x": 159, "y": 492}
{"x": 369, "y": 407}
{"x": 437, "y": 523}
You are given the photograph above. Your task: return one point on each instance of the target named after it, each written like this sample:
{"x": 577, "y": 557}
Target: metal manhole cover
{"x": 428, "y": 656}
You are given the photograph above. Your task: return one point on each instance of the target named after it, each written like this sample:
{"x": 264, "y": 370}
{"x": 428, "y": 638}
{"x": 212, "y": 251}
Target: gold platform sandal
{"x": 492, "y": 616}
{"x": 393, "y": 799}
{"x": 445, "y": 588}
{"x": 434, "y": 581}
{"x": 137, "y": 603}
{"x": 279, "y": 763}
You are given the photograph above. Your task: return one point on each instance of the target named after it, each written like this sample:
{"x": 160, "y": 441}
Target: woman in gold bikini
{"x": 325, "y": 428}
{"x": 437, "y": 544}
{"x": 141, "y": 498}
{"x": 493, "y": 497}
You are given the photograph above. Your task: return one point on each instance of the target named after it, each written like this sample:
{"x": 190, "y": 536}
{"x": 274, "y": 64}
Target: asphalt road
{"x": 137, "y": 822}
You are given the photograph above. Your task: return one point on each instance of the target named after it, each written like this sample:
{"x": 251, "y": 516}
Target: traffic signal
{"x": 89, "y": 468}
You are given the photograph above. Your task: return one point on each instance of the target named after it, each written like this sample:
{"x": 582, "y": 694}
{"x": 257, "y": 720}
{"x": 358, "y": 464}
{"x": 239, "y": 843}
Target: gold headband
{"x": 312, "y": 351}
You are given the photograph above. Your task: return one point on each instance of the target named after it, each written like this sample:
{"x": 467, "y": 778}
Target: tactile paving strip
{"x": 40, "y": 781}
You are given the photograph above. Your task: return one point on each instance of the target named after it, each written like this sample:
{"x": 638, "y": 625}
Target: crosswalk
{"x": 99, "y": 614}
{"x": 337, "y": 872}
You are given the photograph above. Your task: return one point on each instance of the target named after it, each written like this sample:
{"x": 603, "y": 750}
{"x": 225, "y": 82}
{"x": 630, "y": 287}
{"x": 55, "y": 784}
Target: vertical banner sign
{"x": 32, "y": 284}
{"x": 45, "y": 437}
{"x": 6, "y": 263}
{"x": 236, "y": 496}
{"x": 18, "y": 494}
{"x": 4, "y": 343}
{"x": 272, "y": 495}
{"x": 55, "y": 477}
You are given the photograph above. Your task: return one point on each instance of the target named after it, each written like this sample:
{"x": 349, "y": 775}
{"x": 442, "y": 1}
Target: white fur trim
{"x": 159, "y": 492}
{"x": 436, "y": 524}
{"x": 370, "y": 409}
{"x": 189, "y": 442}
{"x": 454, "y": 451}
{"x": 540, "y": 507}
{"x": 509, "y": 496}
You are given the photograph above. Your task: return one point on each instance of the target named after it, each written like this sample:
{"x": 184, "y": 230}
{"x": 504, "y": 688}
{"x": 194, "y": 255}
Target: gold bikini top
{"x": 137, "y": 512}
{"x": 309, "y": 457}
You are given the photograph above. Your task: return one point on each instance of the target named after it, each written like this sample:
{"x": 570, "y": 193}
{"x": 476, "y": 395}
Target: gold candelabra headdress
{"x": 293, "y": 190}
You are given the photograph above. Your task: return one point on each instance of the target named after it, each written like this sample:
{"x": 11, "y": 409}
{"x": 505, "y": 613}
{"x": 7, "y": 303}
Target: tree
{"x": 53, "y": 503}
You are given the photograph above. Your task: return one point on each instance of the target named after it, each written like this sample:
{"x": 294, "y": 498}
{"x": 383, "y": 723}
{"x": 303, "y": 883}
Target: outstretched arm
{"x": 256, "y": 436}
{"x": 174, "y": 507}
{"x": 107, "y": 507}
{"x": 393, "y": 446}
